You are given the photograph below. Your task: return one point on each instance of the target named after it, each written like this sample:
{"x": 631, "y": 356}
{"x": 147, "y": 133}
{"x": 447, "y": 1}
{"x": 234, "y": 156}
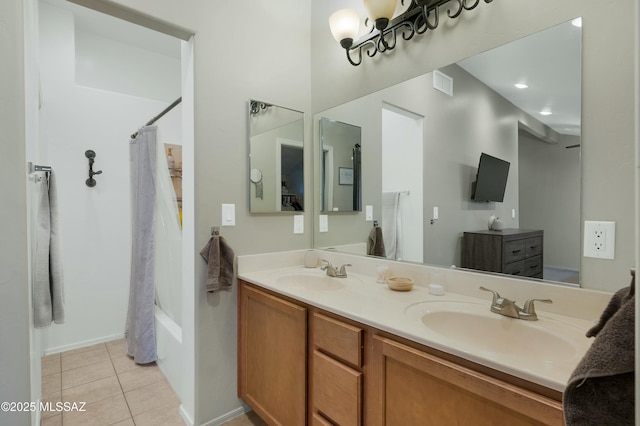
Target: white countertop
{"x": 548, "y": 363}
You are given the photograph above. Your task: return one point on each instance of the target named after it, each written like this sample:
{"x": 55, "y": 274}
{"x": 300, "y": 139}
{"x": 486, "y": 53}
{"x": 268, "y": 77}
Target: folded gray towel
{"x": 601, "y": 389}
{"x": 375, "y": 243}
{"x": 220, "y": 259}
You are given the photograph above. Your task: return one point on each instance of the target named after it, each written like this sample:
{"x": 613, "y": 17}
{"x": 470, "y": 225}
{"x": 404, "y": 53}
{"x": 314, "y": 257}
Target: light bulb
{"x": 345, "y": 25}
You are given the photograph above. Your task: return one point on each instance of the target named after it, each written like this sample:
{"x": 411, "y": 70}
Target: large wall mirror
{"x": 276, "y": 158}
{"x": 519, "y": 103}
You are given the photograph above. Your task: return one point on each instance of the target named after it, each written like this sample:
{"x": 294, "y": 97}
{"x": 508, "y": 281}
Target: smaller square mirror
{"x": 276, "y": 158}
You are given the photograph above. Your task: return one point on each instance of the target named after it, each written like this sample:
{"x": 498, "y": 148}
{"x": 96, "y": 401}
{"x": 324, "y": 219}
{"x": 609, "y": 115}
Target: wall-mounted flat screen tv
{"x": 491, "y": 179}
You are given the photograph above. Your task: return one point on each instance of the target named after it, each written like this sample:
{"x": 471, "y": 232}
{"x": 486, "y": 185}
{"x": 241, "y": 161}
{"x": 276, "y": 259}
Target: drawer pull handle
{"x": 533, "y": 266}
{"x": 533, "y": 247}
{"x": 515, "y": 273}
{"x": 516, "y": 251}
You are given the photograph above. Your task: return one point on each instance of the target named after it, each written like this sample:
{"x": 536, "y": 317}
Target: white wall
{"x": 14, "y": 285}
{"x": 549, "y": 187}
{"x": 95, "y": 221}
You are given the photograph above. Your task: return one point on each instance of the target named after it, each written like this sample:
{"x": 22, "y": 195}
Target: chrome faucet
{"x": 509, "y": 308}
{"x": 332, "y": 272}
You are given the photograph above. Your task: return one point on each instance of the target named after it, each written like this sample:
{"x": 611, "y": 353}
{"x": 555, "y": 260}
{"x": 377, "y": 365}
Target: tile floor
{"x": 116, "y": 390}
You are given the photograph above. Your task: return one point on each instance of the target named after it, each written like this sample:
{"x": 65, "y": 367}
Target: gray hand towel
{"x": 375, "y": 243}
{"x": 601, "y": 389}
{"x": 220, "y": 260}
{"x": 48, "y": 294}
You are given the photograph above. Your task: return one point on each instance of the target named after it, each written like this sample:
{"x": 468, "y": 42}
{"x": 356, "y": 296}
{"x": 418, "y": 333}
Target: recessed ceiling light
{"x": 521, "y": 85}
{"x": 545, "y": 112}
{"x": 577, "y": 22}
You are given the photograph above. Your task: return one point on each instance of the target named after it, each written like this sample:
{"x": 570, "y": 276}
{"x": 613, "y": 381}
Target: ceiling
{"x": 549, "y": 62}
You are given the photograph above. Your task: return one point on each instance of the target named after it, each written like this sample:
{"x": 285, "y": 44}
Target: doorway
{"x": 100, "y": 80}
{"x": 402, "y": 183}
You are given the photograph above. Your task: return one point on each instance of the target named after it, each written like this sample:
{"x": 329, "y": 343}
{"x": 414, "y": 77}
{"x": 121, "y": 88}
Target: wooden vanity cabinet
{"x": 301, "y": 365}
{"x": 416, "y": 387}
{"x": 272, "y": 356}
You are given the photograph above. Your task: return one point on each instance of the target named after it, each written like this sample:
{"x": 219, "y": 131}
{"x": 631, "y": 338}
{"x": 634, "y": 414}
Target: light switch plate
{"x": 228, "y": 215}
{"x": 298, "y": 224}
{"x": 368, "y": 213}
{"x": 323, "y": 223}
{"x": 599, "y": 239}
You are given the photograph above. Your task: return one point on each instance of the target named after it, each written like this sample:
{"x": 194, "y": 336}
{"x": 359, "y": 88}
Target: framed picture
{"x": 345, "y": 176}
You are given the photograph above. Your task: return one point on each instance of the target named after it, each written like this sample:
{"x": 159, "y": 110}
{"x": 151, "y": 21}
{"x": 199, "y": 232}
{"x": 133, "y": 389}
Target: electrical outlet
{"x": 599, "y": 239}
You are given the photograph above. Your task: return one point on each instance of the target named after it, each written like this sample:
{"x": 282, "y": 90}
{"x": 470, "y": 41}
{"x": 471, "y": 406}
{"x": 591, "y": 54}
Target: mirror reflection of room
{"x": 340, "y": 165}
{"x": 465, "y": 110}
{"x": 276, "y": 144}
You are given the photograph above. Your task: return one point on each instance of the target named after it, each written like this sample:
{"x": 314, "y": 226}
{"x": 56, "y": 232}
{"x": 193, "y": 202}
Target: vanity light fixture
{"x": 577, "y": 22}
{"x": 545, "y": 112}
{"x": 521, "y": 86}
{"x": 419, "y": 17}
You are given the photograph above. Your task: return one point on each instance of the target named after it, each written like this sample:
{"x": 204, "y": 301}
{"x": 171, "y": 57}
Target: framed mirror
{"x": 340, "y": 165}
{"x": 424, "y": 140}
{"x": 276, "y": 158}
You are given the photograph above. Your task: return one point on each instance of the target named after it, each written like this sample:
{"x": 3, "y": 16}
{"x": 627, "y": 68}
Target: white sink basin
{"x": 474, "y": 328}
{"x": 314, "y": 280}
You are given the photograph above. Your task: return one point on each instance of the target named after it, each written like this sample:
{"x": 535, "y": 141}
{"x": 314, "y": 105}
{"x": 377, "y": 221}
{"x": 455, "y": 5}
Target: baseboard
{"x": 188, "y": 421}
{"x": 83, "y": 344}
{"x": 229, "y": 416}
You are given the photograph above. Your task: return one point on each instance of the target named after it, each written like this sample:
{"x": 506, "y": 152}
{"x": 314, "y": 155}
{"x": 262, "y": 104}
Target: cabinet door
{"x": 272, "y": 357}
{"x": 417, "y": 385}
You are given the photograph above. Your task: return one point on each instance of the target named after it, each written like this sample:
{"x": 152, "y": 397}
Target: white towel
{"x": 48, "y": 290}
{"x": 390, "y": 225}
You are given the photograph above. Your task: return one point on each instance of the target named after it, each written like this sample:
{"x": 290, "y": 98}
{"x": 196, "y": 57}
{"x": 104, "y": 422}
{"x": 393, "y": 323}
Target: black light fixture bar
{"x": 422, "y": 15}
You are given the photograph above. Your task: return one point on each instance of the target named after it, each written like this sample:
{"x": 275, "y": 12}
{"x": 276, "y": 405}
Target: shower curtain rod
{"x": 159, "y": 116}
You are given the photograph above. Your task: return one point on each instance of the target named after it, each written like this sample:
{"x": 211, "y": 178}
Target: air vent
{"x": 443, "y": 83}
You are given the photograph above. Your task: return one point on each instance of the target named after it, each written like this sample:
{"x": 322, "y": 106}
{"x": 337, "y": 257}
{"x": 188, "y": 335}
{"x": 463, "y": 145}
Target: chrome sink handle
{"x": 343, "y": 271}
{"x": 503, "y": 306}
{"x": 529, "y": 310}
{"x": 497, "y": 300}
{"x": 331, "y": 271}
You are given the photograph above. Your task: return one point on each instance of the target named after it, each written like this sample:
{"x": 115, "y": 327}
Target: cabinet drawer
{"x": 337, "y": 390}
{"x": 533, "y": 266}
{"x": 533, "y": 247}
{"x": 338, "y": 339}
{"x": 515, "y": 268}
{"x": 514, "y": 251}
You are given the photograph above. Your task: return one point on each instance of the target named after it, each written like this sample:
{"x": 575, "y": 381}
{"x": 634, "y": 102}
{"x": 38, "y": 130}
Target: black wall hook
{"x": 91, "y": 155}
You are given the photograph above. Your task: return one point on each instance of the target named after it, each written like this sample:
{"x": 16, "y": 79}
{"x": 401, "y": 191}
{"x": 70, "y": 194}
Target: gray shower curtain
{"x": 140, "y": 328}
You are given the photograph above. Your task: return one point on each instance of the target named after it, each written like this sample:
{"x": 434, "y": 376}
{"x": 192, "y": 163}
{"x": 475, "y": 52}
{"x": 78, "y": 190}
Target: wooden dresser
{"x": 509, "y": 251}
